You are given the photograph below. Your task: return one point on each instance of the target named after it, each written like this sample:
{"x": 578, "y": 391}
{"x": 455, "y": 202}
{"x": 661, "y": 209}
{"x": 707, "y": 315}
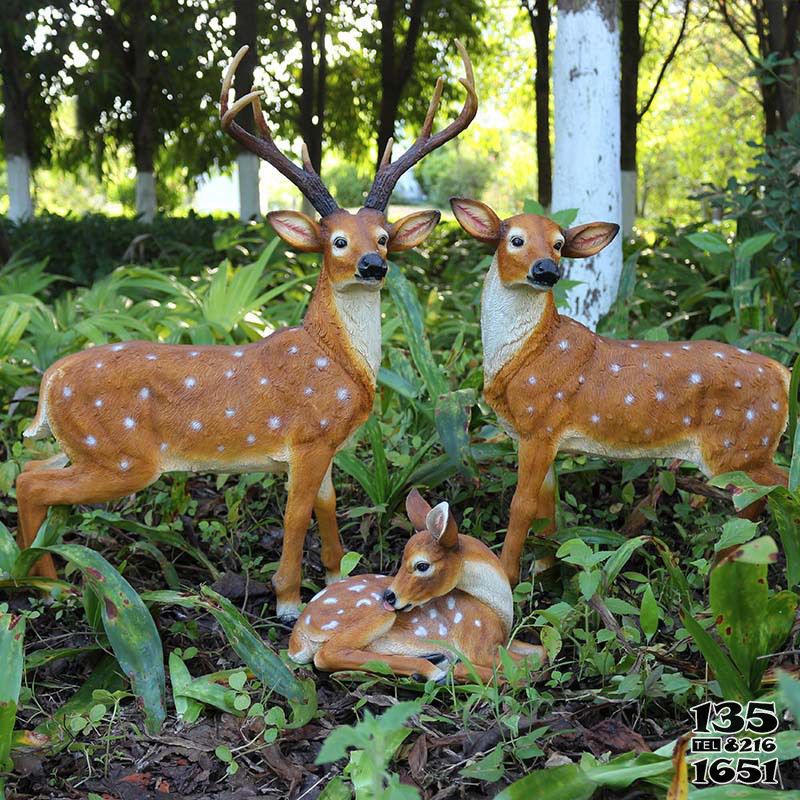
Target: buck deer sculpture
{"x": 557, "y": 386}
{"x": 449, "y": 587}
{"x": 126, "y": 413}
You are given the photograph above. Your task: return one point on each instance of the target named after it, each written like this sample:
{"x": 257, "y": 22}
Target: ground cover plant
{"x": 154, "y": 667}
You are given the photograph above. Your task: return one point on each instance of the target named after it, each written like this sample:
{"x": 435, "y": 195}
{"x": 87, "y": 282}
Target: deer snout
{"x": 544, "y": 272}
{"x": 371, "y": 267}
{"x": 389, "y": 599}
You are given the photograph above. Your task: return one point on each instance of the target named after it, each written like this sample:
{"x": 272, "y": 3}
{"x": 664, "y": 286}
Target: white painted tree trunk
{"x": 145, "y": 196}
{"x": 587, "y": 147}
{"x": 20, "y": 204}
{"x": 247, "y": 165}
{"x": 628, "y": 202}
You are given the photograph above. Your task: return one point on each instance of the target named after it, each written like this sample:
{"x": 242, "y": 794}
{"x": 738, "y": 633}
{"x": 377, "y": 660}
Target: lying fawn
{"x": 124, "y": 414}
{"x": 449, "y": 587}
{"x": 557, "y": 386}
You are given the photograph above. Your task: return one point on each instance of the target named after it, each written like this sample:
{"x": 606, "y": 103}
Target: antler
{"x": 389, "y": 173}
{"x": 306, "y": 179}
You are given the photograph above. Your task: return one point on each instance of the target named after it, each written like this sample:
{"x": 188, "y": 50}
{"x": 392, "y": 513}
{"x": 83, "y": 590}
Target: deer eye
{"x": 340, "y": 242}
{"x": 558, "y": 245}
{"x": 382, "y": 240}
{"x": 517, "y": 241}
{"x": 421, "y": 566}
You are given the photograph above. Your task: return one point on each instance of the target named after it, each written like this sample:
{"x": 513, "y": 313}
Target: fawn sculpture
{"x": 126, "y": 413}
{"x": 449, "y": 587}
{"x": 557, "y": 386}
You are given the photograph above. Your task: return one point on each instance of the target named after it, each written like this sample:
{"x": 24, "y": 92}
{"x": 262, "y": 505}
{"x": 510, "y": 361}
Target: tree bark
{"x": 246, "y": 33}
{"x": 631, "y": 53}
{"x": 144, "y": 143}
{"x": 586, "y": 84}
{"x": 539, "y": 16}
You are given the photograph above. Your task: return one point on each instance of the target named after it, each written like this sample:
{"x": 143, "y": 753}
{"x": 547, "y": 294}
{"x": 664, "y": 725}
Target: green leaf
{"x": 565, "y": 217}
{"x": 755, "y": 244}
{"x": 130, "y": 630}
{"x": 568, "y": 782}
{"x": 9, "y": 550}
{"x": 452, "y": 413}
{"x": 649, "y": 613}
{"x": 785, "y": 509}
{"x": 789, "y": 689}
{"x": 349, "y": 562}
{"x": 736, "y": 531}
{"x": 12, "y": 637}
{"x": 710, "y": 242}
{"x": 589, "y": 581}
{"x": 490, "y": 768}
{"x": 187, "y": 709}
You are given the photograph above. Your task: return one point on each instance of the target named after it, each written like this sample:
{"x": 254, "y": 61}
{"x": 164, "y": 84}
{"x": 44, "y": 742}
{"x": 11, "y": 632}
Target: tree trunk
{"x": 246, "y": 33}
{"x": 629, "y": 113}
{"x": 539, "y": 15}
{"x": 16, "y": 138}
{"x": 144, "y": 143}
{"x": 781, "y": 38}
{"x": 586, "y": 83}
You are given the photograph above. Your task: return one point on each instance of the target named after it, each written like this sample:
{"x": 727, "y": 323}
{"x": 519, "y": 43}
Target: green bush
{"x": 348, "y": 184}
{"x": 452, "y": 172}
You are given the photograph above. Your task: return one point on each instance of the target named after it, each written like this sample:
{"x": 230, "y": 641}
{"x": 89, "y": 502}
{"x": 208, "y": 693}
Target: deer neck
{"x": 483, "y": 577}
{"x": 510, "y": 317}
{"x": 347, "y": 325}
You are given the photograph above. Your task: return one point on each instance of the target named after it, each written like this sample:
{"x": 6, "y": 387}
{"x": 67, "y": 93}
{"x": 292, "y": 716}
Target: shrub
{"x": 452, "y": 172}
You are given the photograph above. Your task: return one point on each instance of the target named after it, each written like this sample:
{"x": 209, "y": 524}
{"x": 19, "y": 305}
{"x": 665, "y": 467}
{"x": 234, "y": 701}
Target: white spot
{"x": 308, "y": 391}
{"x": 329, "y": 601}
{"x": 263, "y": 381}
{"x": 90, "y": 440}
{"x": 319, "y": 594}
{"x": 251, "y": 438}
{"x": 595, "y": 418}
{"x": 775, "y": 406}
{"x": 549, "y": 429}
{"x": 117, "y": 347}
{"x": 559, "y": 395}
{"x": 98, "y": 403}
{"x": 229, "y": 373}
{"x": 124, "y": 464}
{"x": 442, "y": 630}
{"x": 451, "y": 603}
{"x": 340, "y": 612}
{"x": 329, "y": 626}
{"x": 530, "y": 409}
{"x": 648, "y": 431}
{"x": 645, "y": 364}
{"x": 308, "y": 619}
{"x": 129, "y": 422}
{"x": 433, "y": 613}
{"x": 667, "y": 354}
{"x": 717, "y": 354}
{"x": 747, "y": 456}
{"x": 629, "y": 399}
{"x": 292, "y": 350}
{"x": 737, "y": 384}
{"x": 750, "y": 414}
{"x": 633, "y": 345}
{"x": 414, "y": 620}
{"x": 765, "y": 440}
{"x": 98, "y": 365}
{"x": 458, "y": 617}
{"x": 164, "y": 447}
{"x": 532, "y": 380}
{"x": 761, "y": 370}
{"x": 359, "y": 587}
{"x": 695, "y": 377}
{"x": 377, "y": 597}
{"x": 615, "y": 368}
{"x": 323, "y": 423}
{"x": 194, "y": 353}
{"x": 221, "y": 448}
{"x": 363, "y": 602}
{"x": 196, "y": 425}
{"x": 238, "y": 353}
{"x": 686, "y": 347}
{"x": 581, "y": 380}
{"x": 151, "y": 357}
{"x": 421, "y": 631}
{"x": 660, "y": 395}
{"x": 687, "y": 420}
{"x": 230, "y": 412}
{"x": 742, "y": 350}
{"x": 274, "y": 423}
{"x": 727, "y": 443}
{"x": 67, "y": 391}
{"x": 563, "y": 345}
{"x": 718, "y": 412}
{"x": 144, "y": 393}
{"x": 190, "y": 383}
{"x": 342, "y": 394}
{"x": 477, "y": 623}
{"x": 322, "y": 362}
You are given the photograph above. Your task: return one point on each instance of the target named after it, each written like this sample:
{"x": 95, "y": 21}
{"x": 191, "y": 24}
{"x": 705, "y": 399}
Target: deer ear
{"x": 477, "y": 219}
{"x": 297, "y": 230}
{"x": 586, "y": 240}
{"x": 417, "y": 509}
{"x": 412, "y": 230}
{"x": 442, "y": 526}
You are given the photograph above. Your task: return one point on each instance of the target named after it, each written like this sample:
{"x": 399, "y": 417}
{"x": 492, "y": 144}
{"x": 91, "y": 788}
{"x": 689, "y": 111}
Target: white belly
{"x": 257, "y": 464}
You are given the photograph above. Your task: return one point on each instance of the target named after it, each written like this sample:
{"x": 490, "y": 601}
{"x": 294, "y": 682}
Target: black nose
{"x": 372, "y": 267}
{"x": 389, "y": 597}
{"x": 544, "y": 272}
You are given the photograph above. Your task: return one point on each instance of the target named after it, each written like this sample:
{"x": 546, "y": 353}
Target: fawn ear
{"x": 412, "y": 230}
{"x": 417, "y": 509}
{"x": 442, "y": 526}
{"x": 297, "y": 230}
{"x": 477, "y": 219}
{"x": 586, "y": 240}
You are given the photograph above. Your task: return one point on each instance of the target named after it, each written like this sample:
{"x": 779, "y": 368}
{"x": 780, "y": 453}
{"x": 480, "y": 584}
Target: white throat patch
{"x": 360, "y": 313}
{"x": 508, "y": 317}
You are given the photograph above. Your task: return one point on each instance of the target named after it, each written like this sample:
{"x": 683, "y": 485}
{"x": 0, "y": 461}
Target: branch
{"x": 667, "y": 61}
{"x": 735, "y": 29}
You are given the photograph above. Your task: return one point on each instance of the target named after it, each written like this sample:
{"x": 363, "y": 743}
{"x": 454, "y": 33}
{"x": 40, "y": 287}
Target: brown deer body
{"x": 557, "y": 386}
{"x": 126, "y": 413}
{"x": 449, "y": 588}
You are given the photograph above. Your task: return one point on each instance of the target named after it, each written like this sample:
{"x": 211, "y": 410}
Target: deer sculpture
{"x": 449, "y": 587}
{"x": 557, "y": 386}
{"x": 128, "y": 412}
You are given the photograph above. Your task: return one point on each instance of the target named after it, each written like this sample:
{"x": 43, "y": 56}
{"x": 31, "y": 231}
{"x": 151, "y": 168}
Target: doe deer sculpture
{"x": 557, "y": 386}
{"x": 124, "y": 414}
{"x": 449, "y": 588}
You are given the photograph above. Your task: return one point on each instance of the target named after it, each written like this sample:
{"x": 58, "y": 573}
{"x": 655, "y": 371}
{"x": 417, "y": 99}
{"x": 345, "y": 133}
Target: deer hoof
{"x": 287, "y": 613}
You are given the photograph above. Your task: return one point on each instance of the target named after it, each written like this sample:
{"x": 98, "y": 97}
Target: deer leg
{"x": 306, "y": 474}
{"x": 535, "y": 459}
{"x": 39, "y": 488}
{"x": 325, "y": 512}
{"x": 546, "y": 509}
{"x": 335, "y": 657}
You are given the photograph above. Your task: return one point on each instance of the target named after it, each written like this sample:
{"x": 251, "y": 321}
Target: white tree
{"x": 247, "y": 166}
{"x": 20, "y": 204}
{"x": 587, "y": 142}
